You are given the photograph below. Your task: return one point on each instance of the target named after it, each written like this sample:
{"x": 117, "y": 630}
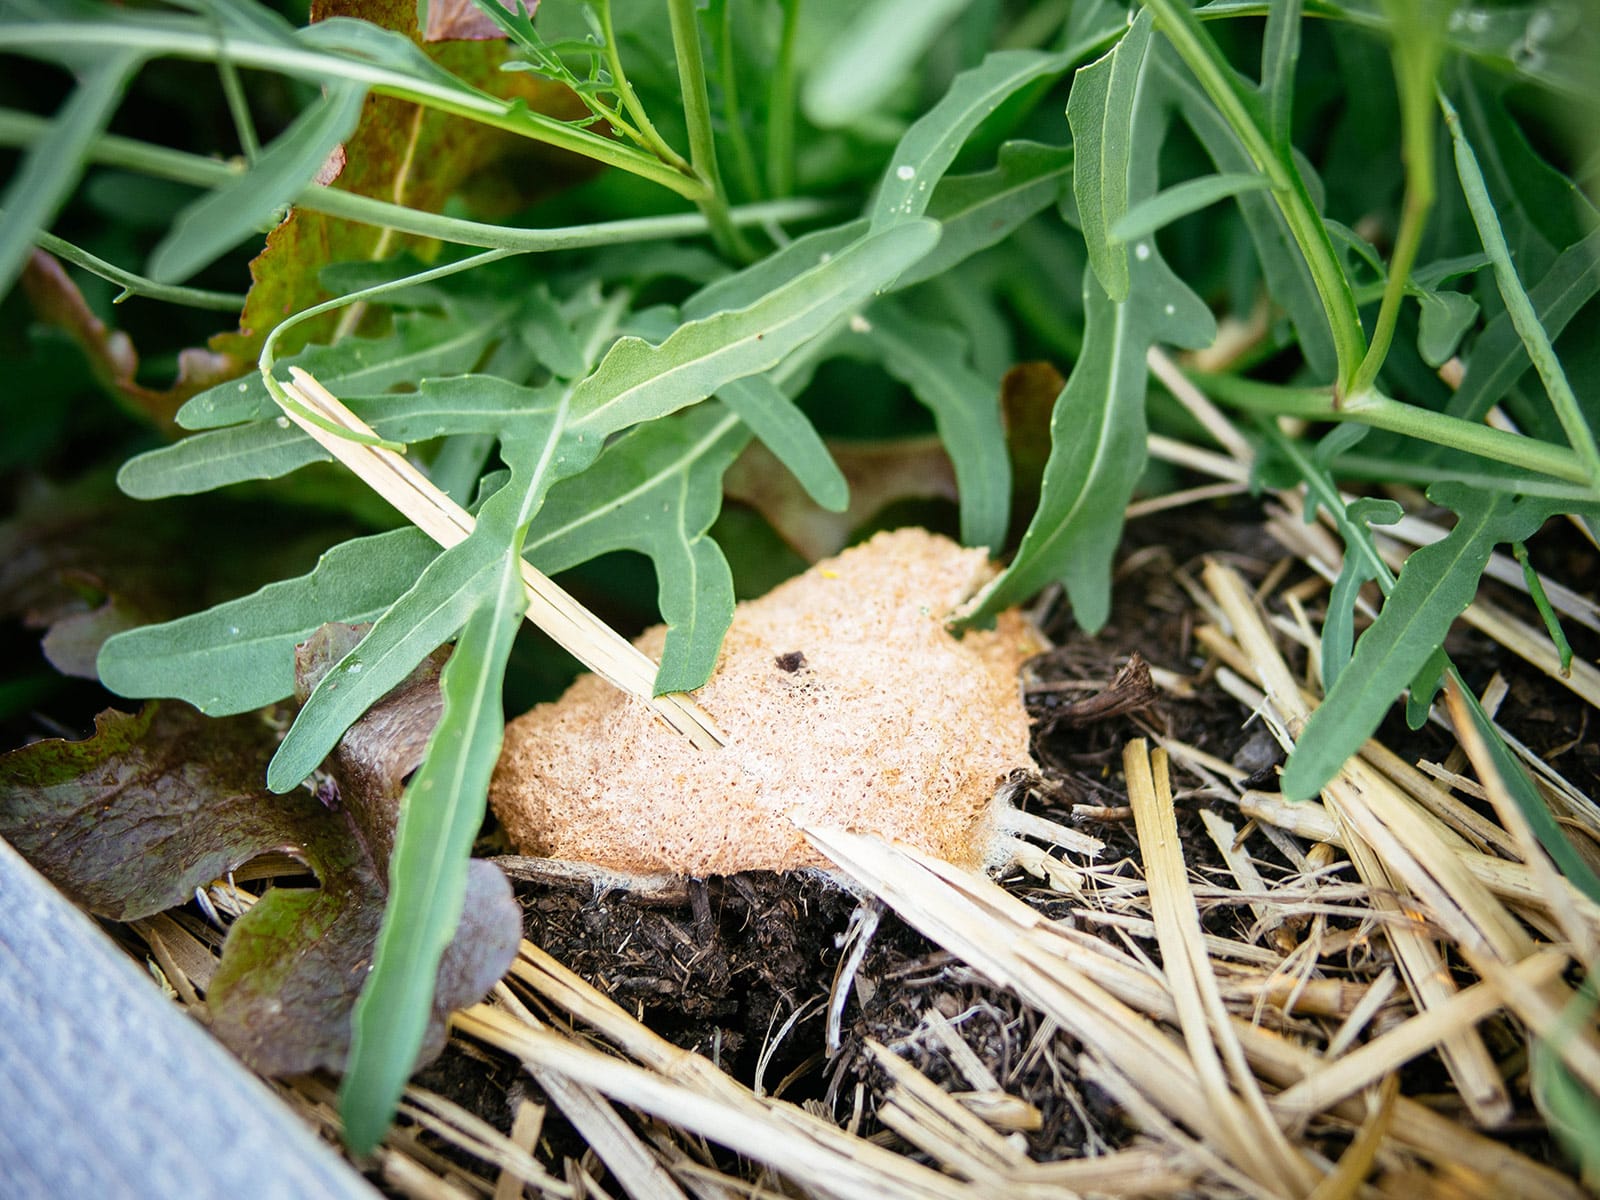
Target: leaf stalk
{"x": 1200, "y": 52}
{"x": 713, "y": 201}
{"x": 1373, "y": 408}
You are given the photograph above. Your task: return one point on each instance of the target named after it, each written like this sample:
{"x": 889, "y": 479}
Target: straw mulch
{"x": 1359, "y": 1022}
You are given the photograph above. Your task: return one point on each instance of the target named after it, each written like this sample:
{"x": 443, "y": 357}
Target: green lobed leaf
{"x": 273, "y": 448}
{"x": 981, "y": 210}
{"x": 656, "y": 490}
{"x": 637, "y": 381}
{"x": 1288, "y": 278}
{"x": 870, "y": 56}
{"x": 928, "y": 148}
{"x": 931, "y": 360}
{"x": 1338, "y": 627}
{"x": 243, "y": 207}
{"x": 1180, "y": 200}
{"x": 549, "y": 334}
{"x": 542, "y": 449}
{"x": 440, "y": 818}
{"x": 52, "y": 165}
{"x": 1434, "y": 587}
{"x": 239, "y": 656}
{"x": 765, "y": 276}
{"x": 1097, "y": 442}
{"x": 420, "y": 345}
{"x": 1499, "y": 357}
{"x": 974, "y": 212}
{"x": 769, "y": 413}
{"x": 1102, "y": 111}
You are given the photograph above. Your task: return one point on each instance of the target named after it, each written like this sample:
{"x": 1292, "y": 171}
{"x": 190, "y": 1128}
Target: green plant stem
{"x": 23, "y": 129}
{"x": 1220, "y": 82}
{"x": 1415, "y": 48}
{"x": 743, "y": 156}
{"x": 185, "y": 41}
{"x": 1388, "y": 470}
{"x": 1320, "y": 487}
{"x": 269, "y": 348}
{"x": 1547, "y": 612}
{"x": 630, "y": 99}
{"x": 1381, "y": 412}
{"x": 138, "y": 285}
{"x": 1518, "y": 307}
{"x": 233, "y": 91}
{"x": 780, "y": 108}
{"x": 713, "y": 201}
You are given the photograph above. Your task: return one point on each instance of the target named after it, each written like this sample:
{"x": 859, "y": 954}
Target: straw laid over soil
{"x": 1239, "y": 997}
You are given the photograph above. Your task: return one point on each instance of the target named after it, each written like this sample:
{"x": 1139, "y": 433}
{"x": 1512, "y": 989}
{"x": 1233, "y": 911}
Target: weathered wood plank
{"x": 107, "y": 1089}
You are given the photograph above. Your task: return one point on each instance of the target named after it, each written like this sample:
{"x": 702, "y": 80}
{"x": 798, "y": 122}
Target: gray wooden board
{"x": 107, "y": 1089}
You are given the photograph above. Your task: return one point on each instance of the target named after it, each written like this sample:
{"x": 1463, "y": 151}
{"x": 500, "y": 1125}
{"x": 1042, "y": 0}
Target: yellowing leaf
{"x": 404, "y": 154}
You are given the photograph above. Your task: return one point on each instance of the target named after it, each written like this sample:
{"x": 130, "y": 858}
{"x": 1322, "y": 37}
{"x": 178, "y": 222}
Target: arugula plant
{"x": 799, "y": 194}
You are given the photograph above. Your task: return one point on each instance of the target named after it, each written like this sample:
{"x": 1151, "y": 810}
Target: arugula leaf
{"x": 1097, "y": 442}
{"x": 928, "y": 148}
{"x": 657, "y": 490}
{"x": 1288, "y": 277}
{"x": 931, "y": 360}
{"x": 1499, "y": 356}
{"x": 1180, "y": 200}
{"x": 1338, "y": 626}
{"x": 224, "y": 217}
{"x": 767, "y": 411}
{"x": 239, "y": 656}
{"x": 441, "y": 601}
{"x": 1434, "y": 587}
{"x": 870, "y": 55}
{"x": 981, "y": 210}
{"x": 1102, "y": 111}
{"x": 637, "y": 381}
{"x": 272, "y": 448}
{"x": 441, "y": 816}
{"x": 419, "y": 346}
{"x": 53, "y": 165}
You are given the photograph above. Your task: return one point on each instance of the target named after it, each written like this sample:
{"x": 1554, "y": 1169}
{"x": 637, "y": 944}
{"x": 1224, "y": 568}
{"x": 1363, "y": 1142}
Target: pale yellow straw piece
{"x": 578, "y": 631}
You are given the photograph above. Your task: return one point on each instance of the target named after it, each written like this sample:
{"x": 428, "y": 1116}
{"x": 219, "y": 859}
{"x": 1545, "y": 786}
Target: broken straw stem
{"x": 572, "y": 626}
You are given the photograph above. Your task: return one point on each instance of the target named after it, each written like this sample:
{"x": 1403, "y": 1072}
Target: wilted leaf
{"x": 463, "y": 20}
{"x": 879, "y": 473}
{"x": 83, "y": 563}
{"x": 1028, "y": 394}
{"x": 159, "y": 803}
{"x": 400, "y": 153}
{"x": 57, "y": 301}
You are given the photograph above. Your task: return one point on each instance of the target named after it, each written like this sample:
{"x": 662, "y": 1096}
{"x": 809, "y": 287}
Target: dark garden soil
{"x": 740, "y": 969}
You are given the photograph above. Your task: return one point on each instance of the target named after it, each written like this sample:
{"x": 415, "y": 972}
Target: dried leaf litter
{"x": 845, "y": 702}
